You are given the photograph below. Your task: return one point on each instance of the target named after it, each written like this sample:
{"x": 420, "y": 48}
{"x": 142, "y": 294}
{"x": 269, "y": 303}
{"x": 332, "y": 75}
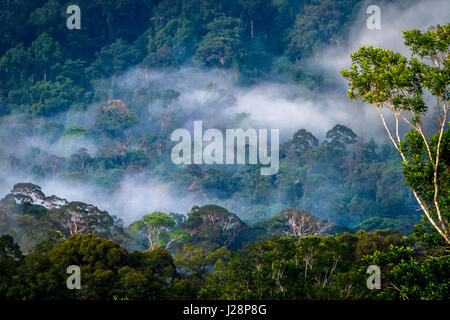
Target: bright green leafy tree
{"x": 392, "y": 82}
{"x": 153, "y": 225}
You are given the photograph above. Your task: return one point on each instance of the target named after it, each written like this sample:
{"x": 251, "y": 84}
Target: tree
{"x": 303, "y": 141}
{"x": 153, "y": 224}
{"x": 80, "y": 161}
{"x": 53, "y": 163}
{"x": 108, "y": 9}
{"x": 390, "y": 81}
{"x": 51, "y": 131}
{"x": 114, "y": 118}
{"x": 113, "y": 58}
{"x": 15, "y": 67}
{"x": 341, "y": 136}
{"x": 9, "y": 249}
{"x": 45, "y": 52}
{"x": 222, "y": 45}
{"x": 318, "y": 24}
{"x": 74, "y": 69}
{"x": 303, "y": 223}
{"x": 408, "y": 276}
{"x": 178, "y": 35}
{"x": 78, "y": 217}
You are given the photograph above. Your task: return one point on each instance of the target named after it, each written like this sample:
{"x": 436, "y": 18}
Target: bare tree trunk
{"x": 442, "y": 228}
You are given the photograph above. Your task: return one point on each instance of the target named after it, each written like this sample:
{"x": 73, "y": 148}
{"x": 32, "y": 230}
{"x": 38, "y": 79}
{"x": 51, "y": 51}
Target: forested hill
{"x": 31, "y": 217}
{"x": 46, "y": 68}
{"x": 95, "y": 107}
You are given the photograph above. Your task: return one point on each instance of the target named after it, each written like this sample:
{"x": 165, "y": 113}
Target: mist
{"x": 215, "y": 97}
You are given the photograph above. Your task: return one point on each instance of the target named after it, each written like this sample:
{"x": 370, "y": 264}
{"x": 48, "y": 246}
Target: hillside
{"x": 30, "y": 217}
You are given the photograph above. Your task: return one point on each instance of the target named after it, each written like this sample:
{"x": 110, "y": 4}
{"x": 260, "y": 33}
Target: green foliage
{"x": 46, "y": 71}
{"x": 378, "y": 223}
{"x": 158, "y": 228}
{"x": 114, "y": 117}
{"x": 212, "y": 227}
{"x": 45, "y": 52}
{"x": 340, "y": 136}
{"x": 318, "y": 24}
{"x": 221, "y": 46}
{"x": 55, "y": 96}
{"x": 313, "y": 267}
{"x": 15, "y": 65}
{"x": 304, "y": 141}
{"x": 280, "y": 268}
{"x": 243, "y": 35}
{"x": 407, "y": 276}
{"x": 107, "y": 270}
{"x": 10, "y": 254}
{"x": 113, "y": 59}
{"x": 75, "y": 131}
{"x": 177, "y": 37}
{"x": 388, "y": 80}
{"x": 418, "y": 171}
{"x": 158, "y": 220}
{"x": 382, "y": 76}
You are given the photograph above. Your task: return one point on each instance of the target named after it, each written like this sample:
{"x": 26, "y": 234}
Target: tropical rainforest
{"x": 86, "y": 176}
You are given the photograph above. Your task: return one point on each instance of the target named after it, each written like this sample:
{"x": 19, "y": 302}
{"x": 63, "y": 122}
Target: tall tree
{"x": 341, "y": 136}
{"x": 222, "y": 45}
{"x": 390, "y": 81}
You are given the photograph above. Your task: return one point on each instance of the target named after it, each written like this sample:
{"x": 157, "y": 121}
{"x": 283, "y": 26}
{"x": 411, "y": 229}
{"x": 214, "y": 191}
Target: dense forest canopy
{"x": 87, "y": 114}
{"x": 97, "y": 105}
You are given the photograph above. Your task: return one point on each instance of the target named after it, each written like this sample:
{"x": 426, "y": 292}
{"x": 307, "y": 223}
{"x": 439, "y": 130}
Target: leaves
{"x": 390, "y": 81}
